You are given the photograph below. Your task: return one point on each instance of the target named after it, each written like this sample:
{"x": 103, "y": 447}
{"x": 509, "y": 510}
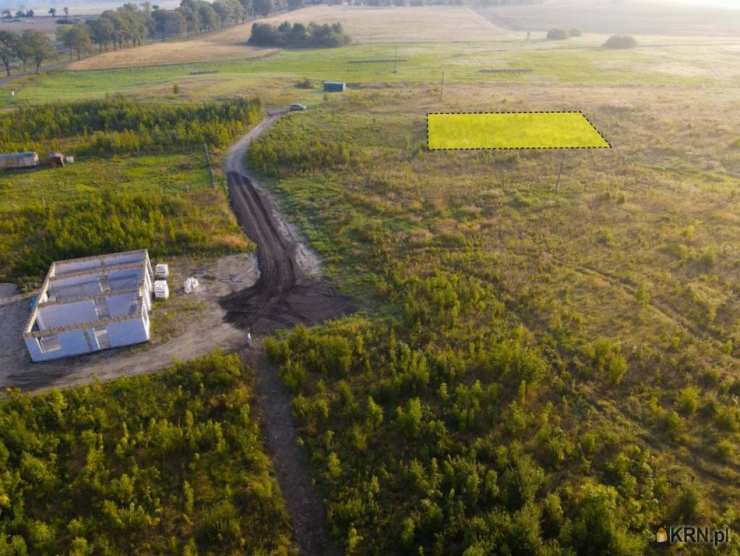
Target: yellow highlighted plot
{"x": 513, "y": 130}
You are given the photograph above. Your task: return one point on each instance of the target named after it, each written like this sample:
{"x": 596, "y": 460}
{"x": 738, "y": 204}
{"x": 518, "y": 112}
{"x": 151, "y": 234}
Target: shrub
{"x": 688, "y": 400}
{"x": 574, "y": 32}
{"x": 557, "y": 35}
{"x": 620, "y": 41}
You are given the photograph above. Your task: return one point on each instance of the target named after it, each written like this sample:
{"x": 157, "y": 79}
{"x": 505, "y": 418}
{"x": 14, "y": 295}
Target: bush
{"x": 102, "y": 223}
{"x": 574, "y": 32}
{"x": 114, "y": 491}
{"x": 557, "y": 35}
{"x": 620, "y": 41}
{"x": 120, "y": 125}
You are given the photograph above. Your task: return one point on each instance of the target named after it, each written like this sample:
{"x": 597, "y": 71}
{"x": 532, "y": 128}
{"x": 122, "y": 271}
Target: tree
{"x": 557, "y": 35}
{"x": 78, "y": 39}
{"x": 7, "y": 14}
{"x": 620, "y": 41}
{"x": 169, "y": 23}
{"x": 262, "y": 7}
{"x": 38, "y": 46}
{"x": 8, "y": 49}
{"x": 208, "y": 17}
{"x": 53, "y": 12}
{"x": 101, "y": 31}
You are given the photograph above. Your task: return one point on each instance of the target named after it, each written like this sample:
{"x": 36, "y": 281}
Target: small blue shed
{"x": 335, "y": 86}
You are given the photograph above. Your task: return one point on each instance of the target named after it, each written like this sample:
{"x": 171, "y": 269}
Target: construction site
{"x": 90, "y": 304}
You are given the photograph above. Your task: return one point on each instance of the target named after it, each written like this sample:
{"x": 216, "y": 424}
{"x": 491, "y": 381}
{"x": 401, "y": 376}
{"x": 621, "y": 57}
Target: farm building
{"x": 335, "y": 86}
{"x": 90, "y": 304}
{"x": 18, "y": 160}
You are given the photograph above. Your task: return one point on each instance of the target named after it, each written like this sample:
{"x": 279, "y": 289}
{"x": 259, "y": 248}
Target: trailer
{"x": 335, "y": 86}
{"x": 11, "y": 161}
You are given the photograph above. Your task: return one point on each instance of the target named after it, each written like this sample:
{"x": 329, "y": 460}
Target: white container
{"x": 191, "y": 284}
{"x": 161, "y": 271}
{"x": 161, "y": 289}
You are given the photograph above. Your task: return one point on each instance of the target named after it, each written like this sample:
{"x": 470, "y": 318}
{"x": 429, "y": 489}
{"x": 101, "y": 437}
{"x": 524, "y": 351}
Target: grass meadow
{"x": 622, "y": 274}
{"x": 583, "y": 62}
{"x": 543, "y": 361}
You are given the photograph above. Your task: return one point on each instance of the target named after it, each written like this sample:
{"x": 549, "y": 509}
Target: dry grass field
{"x": 434, "y": 24}
{"x": 628, "y": 16}
{"x": 218, "y": 46}
{"x": 427, "y": 24}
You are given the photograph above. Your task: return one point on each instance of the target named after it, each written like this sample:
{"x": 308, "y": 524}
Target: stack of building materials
{"x": 161, "y": 289}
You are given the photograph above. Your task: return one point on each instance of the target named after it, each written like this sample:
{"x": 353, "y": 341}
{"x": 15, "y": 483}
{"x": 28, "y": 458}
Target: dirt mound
{"x": 283, "y": 296}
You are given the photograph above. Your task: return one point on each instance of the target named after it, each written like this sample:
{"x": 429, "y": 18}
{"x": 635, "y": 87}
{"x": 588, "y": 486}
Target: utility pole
{"x": 395, "y": 69}
{"x": 442, "y": 88}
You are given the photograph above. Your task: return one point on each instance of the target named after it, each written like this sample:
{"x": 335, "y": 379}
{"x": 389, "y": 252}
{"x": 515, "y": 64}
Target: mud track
{"x": 288, "y": 292}
{"x": 284, "y": 295}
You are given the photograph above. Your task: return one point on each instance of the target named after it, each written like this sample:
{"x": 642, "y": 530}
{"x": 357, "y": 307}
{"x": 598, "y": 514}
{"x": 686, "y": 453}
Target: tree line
{"x": 29, "y": 47}
{"x": 131, "y": 25}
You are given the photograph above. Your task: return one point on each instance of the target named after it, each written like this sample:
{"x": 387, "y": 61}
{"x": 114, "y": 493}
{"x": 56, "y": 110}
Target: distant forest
{"x": 298, "y": 35}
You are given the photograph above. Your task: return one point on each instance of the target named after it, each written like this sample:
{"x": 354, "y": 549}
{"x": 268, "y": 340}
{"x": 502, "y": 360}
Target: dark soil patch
{"x": 283, "y": 296}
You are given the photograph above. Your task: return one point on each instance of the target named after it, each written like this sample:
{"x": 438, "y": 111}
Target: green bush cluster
{"x": 118, "y": 124}
{"x": 163, "y": 464}
{"x": 493, "y": 408}
{"x": 428, "y": 444}
{"x": 298, "y": 35}
{"x": 271, "y": 157}
{"x": 102, "y": 223}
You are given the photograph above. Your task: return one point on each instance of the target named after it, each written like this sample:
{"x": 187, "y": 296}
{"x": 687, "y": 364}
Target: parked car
{"x": 297, "y": 107}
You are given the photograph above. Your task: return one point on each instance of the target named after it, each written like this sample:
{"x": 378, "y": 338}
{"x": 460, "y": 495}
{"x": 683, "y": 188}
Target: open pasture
{"x": 652, "y": 17}
{"x": 438, "y": 24}
{"x": 660, "y": 62}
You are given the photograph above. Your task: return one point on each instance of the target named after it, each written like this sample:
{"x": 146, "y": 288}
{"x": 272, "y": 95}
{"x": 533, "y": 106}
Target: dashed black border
{"x": 596, "y": 129}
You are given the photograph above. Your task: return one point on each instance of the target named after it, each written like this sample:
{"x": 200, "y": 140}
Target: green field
{"x": 512, "y": 130}
{"x": 432, "y": 63}
{"x": 562, "y": 355}
{"x": 545, "y": 359}
{"x": 144, "y": 189}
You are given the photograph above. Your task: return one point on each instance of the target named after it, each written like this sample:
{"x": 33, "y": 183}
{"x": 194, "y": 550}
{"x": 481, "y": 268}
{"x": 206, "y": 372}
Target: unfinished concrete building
{"x": 90, "y": 304}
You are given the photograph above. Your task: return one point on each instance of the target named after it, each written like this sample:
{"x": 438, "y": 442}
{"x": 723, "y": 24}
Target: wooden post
{"x": 208, "y": 163}
{"x": 560, "y": 170}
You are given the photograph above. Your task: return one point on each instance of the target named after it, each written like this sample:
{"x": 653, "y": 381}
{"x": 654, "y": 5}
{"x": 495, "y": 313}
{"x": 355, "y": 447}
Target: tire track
{"x": 283, "y": 296}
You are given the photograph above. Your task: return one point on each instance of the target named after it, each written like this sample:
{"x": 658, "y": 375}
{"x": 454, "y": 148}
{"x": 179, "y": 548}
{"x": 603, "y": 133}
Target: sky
{"x": 97, "y": 6}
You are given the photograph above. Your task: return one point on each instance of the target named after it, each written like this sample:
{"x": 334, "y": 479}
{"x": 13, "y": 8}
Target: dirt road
{"x": 289, "y": 290}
